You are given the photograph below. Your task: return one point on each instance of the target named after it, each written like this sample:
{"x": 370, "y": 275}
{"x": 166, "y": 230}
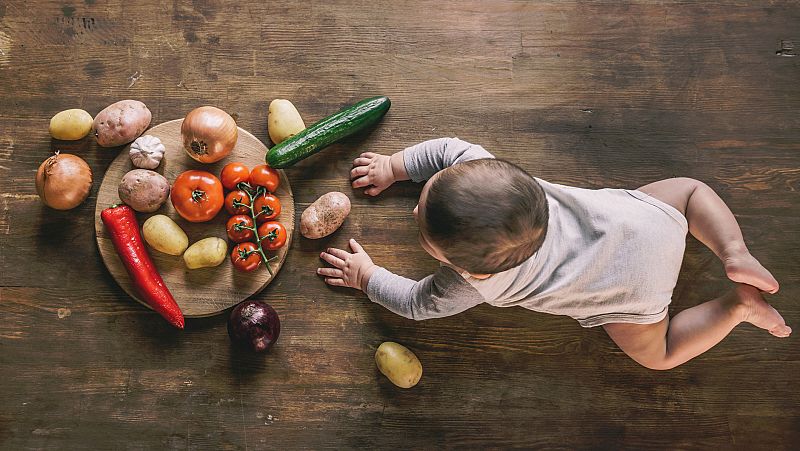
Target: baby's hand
{"x": 350, "y": 270}
{"x": 372, "y": 169}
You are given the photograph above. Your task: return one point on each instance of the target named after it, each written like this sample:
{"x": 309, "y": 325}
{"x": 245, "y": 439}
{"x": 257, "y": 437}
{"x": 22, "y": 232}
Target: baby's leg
{"x": 711, "y": 222}
{"x": 671, "y": 342}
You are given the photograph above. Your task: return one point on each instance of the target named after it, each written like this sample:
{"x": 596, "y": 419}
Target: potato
{"x": 206, "y": 253}
{"x": 70, "y": 125}
{"x": 121, "y": 123}
{"x": 163, "y": 235}
{"x": 283, "y": 120}
{"x": 325, "y": 215}
{"x": 144, "y": 190}
{"x": 399, "y": 364}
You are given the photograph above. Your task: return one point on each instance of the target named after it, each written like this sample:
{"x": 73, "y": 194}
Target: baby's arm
{"x": 429, "y": 157}
{"x": 417, "y": 163}
{"x": 444, "y": 293}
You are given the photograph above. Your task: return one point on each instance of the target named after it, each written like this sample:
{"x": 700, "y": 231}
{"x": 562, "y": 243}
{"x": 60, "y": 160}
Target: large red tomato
{"x": 197, "y": 196}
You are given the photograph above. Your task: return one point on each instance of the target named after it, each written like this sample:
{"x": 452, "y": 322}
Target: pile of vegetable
{"x": 253, "y": 207}
{"x": 329, "y": 130}
{"x": 209, "y": 134}
{"x": 64, "y": 181}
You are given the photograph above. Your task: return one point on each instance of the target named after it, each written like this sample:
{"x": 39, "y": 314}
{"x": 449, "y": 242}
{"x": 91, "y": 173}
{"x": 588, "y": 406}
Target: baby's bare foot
{"x": 757, "y": 312}
{"x": 744, "y": 268}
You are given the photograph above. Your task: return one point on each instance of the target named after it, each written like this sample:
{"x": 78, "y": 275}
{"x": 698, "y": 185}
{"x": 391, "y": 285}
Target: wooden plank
{"x": 592, "y": 94}
{"x": 204, "y": 291}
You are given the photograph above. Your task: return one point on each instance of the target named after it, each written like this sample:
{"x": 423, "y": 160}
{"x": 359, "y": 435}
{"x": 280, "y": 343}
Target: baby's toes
{"x": 782, "y": 331}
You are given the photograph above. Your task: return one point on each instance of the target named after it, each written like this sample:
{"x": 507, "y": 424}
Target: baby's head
{"x": 484, "y": 216}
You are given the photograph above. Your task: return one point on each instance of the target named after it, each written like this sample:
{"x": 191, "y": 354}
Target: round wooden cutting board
{"x": 204, "y": 291}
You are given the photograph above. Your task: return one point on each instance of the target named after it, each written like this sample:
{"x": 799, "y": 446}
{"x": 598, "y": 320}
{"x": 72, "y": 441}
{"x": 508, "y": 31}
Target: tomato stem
{"x": 198, "y": 195}
{"x": 244, "y": 186}
{"x": 238, "y": 203}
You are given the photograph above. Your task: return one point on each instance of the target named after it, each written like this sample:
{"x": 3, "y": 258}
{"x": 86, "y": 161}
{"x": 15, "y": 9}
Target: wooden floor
{"x": 592, "y": 94}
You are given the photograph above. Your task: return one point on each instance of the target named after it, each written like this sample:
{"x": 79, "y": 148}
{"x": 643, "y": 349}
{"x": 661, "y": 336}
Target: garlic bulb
{"x": 146, "y": 152}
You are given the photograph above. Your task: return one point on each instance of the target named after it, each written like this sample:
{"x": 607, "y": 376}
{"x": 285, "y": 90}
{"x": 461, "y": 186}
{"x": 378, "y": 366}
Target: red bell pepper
{"x": 121, "y": 223}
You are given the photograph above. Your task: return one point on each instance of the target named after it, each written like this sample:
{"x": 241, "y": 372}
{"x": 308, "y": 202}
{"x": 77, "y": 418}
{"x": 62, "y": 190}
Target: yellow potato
{"x": 283, "y": 120}
{"x": 399, "y": 364}
{"x": 164, "y": 235}
{"x": 206, "y": 253}
{"x": 71, "y": 125}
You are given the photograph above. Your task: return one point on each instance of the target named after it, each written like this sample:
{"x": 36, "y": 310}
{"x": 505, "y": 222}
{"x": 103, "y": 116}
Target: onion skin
{"x": 63, "y": 181}
{"x": 209, "y": 134}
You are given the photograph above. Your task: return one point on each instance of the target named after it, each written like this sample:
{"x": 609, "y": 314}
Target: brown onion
{"x": 63, "y": 181}
{"x": 209, "y": 134}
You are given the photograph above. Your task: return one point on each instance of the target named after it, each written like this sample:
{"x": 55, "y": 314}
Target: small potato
{"x": 325, "y": 215}
{"x": 70, "y": 125}
{"x": 121, "y": 123}
{"x": 399, "y": 364}
{"x": 164, "y": 235}
{"x": 283, "y": 120}
{"x": 206, "y": 253}
{"x": 144, "y": 190}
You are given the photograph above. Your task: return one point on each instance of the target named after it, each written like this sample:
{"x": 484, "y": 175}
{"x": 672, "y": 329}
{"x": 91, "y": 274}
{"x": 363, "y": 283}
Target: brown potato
{"x": 121, "y": 123}
{"x": 325, "y": 215}
{"x": 144, "y": 190}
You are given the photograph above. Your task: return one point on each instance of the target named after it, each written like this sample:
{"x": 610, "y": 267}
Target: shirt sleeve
{"x": 427, "y": 158}
{"x": 443, "y": 293}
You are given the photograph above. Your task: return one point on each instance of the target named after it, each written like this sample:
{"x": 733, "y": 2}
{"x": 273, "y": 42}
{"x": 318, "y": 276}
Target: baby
{"x": 607, "y": 257}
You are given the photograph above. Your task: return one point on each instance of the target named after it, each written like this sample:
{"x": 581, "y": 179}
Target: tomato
{"x": 232, "y": 174}
{"x": 263, "y": 175}
{"x": 197, "y": 196}
{"x": 238, "y": 230}
{"x": 245, "y": 257}
{"x": 273, "y": 235}
{"x": 267, "y": 207}
{"x": 241, "y": 198}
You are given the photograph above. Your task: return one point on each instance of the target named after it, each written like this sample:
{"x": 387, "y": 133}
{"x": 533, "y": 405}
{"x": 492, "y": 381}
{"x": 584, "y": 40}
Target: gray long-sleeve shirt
{"x": 610, "y": 255}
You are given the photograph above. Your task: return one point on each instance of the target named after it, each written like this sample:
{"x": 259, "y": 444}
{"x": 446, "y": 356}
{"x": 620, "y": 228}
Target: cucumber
{"x": 327, "y": 131}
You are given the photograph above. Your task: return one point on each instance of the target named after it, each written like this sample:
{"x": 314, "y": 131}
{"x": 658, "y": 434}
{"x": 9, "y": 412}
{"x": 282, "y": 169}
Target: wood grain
{"x": 593, "y": 94}
{"x": 203, "y": 291}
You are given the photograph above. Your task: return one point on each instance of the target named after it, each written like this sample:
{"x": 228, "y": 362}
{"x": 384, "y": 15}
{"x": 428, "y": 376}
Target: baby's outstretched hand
{"x": 373, "y": 170}
{"x": 350, "y": 270}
